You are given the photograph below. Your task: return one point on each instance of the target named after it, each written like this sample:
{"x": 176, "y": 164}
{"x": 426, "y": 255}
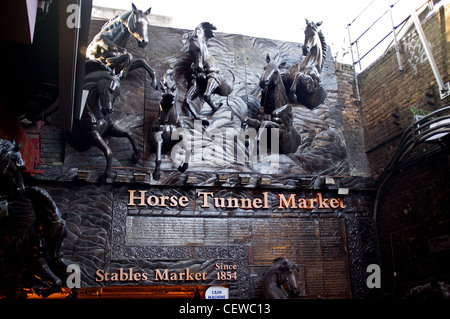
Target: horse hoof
{"x": 183, "y": 168}
{"x": 215, "y": 108}
{"x": 293, "y": 98}
{"x": 156, "y": 175}
{"x": 205, "y": 123}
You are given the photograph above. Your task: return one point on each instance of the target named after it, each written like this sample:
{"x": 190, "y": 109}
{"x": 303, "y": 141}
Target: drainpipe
{"x": 444, "y": 88}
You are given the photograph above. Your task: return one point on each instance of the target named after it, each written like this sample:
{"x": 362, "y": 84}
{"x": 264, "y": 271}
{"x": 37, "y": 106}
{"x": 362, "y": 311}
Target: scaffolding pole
{"x": 353, "y": 64}
{"x": 397, "y": 48}
{"x": 444, "y": 88}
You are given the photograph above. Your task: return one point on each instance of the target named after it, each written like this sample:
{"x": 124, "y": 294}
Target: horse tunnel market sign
{"x": 209, "y": 200}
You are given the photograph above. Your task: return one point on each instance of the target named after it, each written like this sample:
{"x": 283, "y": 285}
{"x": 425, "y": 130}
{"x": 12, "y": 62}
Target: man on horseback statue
{"x": 207, "y": 76}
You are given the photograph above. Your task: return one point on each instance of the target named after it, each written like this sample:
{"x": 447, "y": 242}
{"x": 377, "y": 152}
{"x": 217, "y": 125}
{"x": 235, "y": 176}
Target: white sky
{"x": 281, "y": 19}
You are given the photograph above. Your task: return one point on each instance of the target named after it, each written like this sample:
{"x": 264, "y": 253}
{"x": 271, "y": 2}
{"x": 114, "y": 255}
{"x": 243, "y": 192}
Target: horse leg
{"x": 159, "y": 142}
{"x": 186, "y": 146}
{"x": 141, "y": 63}
{"x": 115, "y": 131}
{"x": 97, "y": 141}
{"x": 120, "y": 63}
{"x": 210, "y": 88}
{"x": 291, "y": 94}
{"x": 193, "y": 92}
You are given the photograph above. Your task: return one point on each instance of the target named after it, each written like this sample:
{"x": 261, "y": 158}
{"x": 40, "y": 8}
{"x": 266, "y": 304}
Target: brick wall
{"x": 413, "y": 214}
{"x": 413, "y": 210}
{"x": 388, "y": 94}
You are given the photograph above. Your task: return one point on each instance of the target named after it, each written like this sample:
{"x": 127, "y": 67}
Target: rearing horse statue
{"x": 208, "y": 78}
{"x": 277, "y": 109}
{"x": 303, "y": 83}
{"x": 95, "y": 122}
{"x": 108, "y": 46}
{"x": 167, "y": 122}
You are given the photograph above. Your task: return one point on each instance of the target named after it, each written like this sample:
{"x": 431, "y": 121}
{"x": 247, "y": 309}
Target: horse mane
{"x": 207, "y": 29}
{"x": 107, "y": 23}
{"x": 280, "y": 265}
{"x": 284, "y": 264}
{"x": 324, "y": 48}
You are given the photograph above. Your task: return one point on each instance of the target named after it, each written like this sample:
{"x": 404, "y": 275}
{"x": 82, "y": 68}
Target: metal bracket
{"x": 445, "y": 91}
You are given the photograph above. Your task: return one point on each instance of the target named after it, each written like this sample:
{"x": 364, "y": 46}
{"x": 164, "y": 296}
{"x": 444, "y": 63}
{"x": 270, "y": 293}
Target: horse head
{"x": 169, "y": 95}
{"x": 203, "y": 32}
{"x": 106, "y": 85}
{"x": 287, "y": 276}
{"x": 138, "y": 25}
{"x": 198, "y": 41}
{"x": 312, "y": 38}
{"x": 11, "y": 165}
{"x": 271, "y": 74}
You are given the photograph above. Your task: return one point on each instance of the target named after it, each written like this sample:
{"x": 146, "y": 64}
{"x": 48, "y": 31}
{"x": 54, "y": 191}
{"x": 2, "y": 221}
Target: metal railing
{"x": 389, "y": 29}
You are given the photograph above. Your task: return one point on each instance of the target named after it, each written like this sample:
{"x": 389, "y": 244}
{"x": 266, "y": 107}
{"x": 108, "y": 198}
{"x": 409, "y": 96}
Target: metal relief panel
{"x": 318, "y": 244}
{"x": 176, "y": 231}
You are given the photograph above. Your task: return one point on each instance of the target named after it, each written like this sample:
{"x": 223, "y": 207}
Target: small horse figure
{"x": 283, "y": 273}
{"x": 103, "y": 86}
{"x": 208, "y": 78}
{"x": 166, "y": 123}
{"x": 303, "y": 79}
{"x": 108, "y": 46}
{"x": 277, "y": 109}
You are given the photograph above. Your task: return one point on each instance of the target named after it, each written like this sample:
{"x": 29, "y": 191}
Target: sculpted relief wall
{"x": 232, "y": 194}
{"x": 322, "y": 148}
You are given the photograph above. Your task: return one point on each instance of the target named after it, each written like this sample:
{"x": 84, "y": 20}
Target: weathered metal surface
{"x": 107, "y": 234}
{"x": 322, "y": 150}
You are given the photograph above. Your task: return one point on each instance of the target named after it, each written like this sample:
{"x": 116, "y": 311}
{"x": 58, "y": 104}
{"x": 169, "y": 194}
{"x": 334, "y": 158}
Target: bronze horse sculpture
{"x": 167, "y": 122}
{"x": 277, "y": 109}
{"x": 95, "y": 122}
{"x": 109, "y": 45}
{"x": 31, "y": 231}
{"x": 207, "y": 76}
{"x": 302, "y": 82}
{"x": 283, "y": 273}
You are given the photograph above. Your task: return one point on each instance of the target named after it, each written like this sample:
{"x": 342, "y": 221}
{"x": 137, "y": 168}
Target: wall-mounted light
{"x": 121, "y": 178}
{"x": 139, "y": 177}
{"x": 191, "y": 179}
{"x": 264, "y": 181}
{"x": 343, "y": 191}
{"x": 244, "y": 178}
{"x": 304, "y": 182}
{"x": 83, "y": 174}
{"x": 222, "y": 177}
